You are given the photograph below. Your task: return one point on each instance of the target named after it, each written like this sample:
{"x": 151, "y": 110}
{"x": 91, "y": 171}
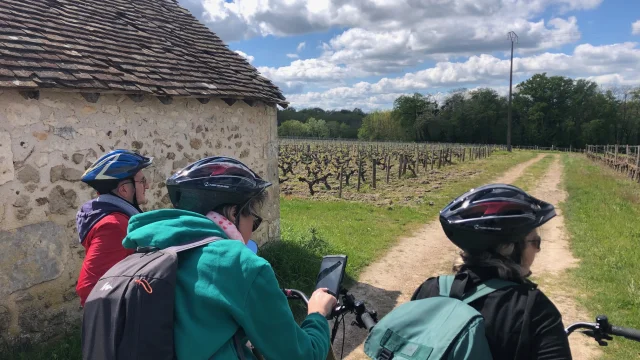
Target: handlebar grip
{"x": 628, "y": 333}
{"x": 368, "y": 321}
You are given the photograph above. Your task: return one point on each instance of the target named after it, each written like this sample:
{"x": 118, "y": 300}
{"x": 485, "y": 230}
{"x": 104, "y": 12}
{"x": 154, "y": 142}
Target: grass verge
{"x": 602, "y": 212}
{"x": 534, "y": 173}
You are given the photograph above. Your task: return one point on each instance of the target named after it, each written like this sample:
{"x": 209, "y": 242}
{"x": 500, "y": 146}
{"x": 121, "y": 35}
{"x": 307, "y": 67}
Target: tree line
{"x": 546, "y": 111}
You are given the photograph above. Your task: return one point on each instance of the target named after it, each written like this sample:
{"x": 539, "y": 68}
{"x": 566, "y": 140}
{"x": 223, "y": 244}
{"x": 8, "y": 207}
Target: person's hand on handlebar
{"x": 322, "y": 302}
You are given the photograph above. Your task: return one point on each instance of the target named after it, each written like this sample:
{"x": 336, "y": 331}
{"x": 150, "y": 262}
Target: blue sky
{"x": 364, "y": 53}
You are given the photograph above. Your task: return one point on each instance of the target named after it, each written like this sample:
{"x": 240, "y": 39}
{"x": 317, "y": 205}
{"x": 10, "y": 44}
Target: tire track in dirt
{"x": 392, "y": 280}
{"x": 554, "y": 258}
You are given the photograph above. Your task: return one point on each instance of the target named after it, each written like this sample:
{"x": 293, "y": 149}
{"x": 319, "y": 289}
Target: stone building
{"x": 79, "y": 78}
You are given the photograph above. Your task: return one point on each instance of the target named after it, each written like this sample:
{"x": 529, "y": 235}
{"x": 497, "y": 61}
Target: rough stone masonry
{"x": 45, "y": 146}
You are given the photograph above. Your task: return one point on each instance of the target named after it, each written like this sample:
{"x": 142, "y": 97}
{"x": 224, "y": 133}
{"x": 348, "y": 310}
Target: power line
{"x": 513, "y": 37}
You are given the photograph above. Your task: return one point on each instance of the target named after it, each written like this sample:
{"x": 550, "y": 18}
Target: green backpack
{"x": 440, "y": 327}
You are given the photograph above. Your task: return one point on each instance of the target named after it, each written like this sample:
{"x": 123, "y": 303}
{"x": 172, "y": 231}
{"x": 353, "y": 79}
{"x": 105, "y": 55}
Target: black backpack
{"x": 129, "y": 313}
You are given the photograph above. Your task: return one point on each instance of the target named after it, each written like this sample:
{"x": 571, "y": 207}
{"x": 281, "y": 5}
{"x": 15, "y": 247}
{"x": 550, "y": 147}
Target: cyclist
{"x": 225, "y": 293}
{"x": 102, "y": 222}
{"x": 495, "y": 227}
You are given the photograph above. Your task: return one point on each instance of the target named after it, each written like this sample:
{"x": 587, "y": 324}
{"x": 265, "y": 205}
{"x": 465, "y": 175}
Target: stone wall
{"x": 45, "y": 146}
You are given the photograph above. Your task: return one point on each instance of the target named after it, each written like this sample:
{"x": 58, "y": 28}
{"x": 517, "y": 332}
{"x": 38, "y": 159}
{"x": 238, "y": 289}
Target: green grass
{"x": 534, "y": 173}
{"x": 602, "y": 213}
{"x": 311, "y": 229}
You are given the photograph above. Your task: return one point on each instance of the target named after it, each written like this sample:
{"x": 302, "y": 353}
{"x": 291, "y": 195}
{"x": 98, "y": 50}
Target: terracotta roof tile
{"x": 144, "y": 46}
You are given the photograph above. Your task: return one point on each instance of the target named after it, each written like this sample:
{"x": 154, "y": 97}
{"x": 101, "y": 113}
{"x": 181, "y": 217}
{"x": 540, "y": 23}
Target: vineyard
{"x": 365, "y": 170}
{"x": 622, "y": 158}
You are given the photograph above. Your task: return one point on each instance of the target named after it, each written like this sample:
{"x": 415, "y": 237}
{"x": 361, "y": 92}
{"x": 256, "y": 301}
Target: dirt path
{"x": 393, "y": 279}
{"x": 555, "y": 258}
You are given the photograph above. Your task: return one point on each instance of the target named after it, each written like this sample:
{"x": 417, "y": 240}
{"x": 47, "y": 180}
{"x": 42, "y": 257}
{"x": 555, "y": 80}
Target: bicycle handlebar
{"x": 631, "y": 334}
{"x": 602, "y": 329}
{"x": 365, "y": 319}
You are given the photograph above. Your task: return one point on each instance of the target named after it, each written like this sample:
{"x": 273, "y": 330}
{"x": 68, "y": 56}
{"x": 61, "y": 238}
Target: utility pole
{"x": 514, "y": 39}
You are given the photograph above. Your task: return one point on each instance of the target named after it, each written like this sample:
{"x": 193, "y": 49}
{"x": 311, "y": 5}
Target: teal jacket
{"x": 223, "y": 287}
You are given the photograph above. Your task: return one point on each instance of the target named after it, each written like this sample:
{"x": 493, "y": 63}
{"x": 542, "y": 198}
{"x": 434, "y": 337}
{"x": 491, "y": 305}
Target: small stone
{"x": 238, "y": 144}
{"x": 42, "y": 160}
{"x": 22, "y": 213}
{"x": 65, "y": 156}
{"x": 21, "y": 201}
{"x": 61, "y": 200}
{"x": 171, "y": 155}
{"x": 137, "y": 145}
{"x": 77, "y": 158}
{"x": 195, "y": 143}
{"x": 31, "y": 187}
{"x": 180, "y": 164}
{"x": 111, "y": 109}
{"x": 198, "y": 129}
{"x": 23, "y": 296}
{"x": 69, "y": 295}
{"x": 92, "y": 155}
{"x": 71, "y": 174}
{"x": 179, "y": 146}
{"x": 66, "y": 132}
{"x": 42, "y": 201}
{"x": 218, "y": 144}
{"x": 87, "y": 110}
{"x": 431, "y": 203}
{"x": 28, "y": 174}
{"x": 55, "y": 173}
{"x": 244, "y": 153}
{"x": 61, "y": 172}
{"x": 40, "y": 135}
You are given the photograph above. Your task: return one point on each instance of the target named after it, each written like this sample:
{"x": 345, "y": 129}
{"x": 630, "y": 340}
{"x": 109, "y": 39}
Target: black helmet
{"x": 213, "y": 181}
{"x": 490, "y": 215}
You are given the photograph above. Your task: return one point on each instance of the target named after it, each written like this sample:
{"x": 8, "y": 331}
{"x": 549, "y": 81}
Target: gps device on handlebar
{"x": 332, "y": 273}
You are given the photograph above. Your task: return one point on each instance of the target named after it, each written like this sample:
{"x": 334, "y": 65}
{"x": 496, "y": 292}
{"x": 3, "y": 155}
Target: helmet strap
{"x": 133, "y": 203}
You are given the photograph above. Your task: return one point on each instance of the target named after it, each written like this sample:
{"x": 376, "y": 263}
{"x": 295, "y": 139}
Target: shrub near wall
{"x": 45, "y": 146}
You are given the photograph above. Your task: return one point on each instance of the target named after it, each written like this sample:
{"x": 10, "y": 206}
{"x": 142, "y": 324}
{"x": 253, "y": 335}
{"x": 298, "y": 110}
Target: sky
{"x": 345, "y": 54}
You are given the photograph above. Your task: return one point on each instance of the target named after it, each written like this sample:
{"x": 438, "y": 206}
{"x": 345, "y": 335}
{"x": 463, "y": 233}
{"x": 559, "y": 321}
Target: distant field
{"x": 405, "y": 173}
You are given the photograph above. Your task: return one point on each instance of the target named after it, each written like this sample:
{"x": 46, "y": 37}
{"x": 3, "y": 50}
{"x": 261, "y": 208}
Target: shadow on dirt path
{"x": 554, "y": 258}
{"x": 403, "y": 268}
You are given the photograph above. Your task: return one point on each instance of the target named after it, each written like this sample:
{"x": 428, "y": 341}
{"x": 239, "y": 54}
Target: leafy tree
{"x": 318, "y": 128}
{"x": 380, "y": 125}
{"x": 293, "y": 128}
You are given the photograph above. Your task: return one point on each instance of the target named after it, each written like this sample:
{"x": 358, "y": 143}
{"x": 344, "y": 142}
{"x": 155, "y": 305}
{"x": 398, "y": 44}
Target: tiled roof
{"x": 150, "y": 47}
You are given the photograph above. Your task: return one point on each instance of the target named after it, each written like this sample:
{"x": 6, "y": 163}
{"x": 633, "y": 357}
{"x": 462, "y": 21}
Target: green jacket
{"x": 223, "y": 287}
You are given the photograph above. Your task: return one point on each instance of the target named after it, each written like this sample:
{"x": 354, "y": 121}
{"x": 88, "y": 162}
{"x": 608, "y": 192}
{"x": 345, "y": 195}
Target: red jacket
{"x": 104, "y": 249}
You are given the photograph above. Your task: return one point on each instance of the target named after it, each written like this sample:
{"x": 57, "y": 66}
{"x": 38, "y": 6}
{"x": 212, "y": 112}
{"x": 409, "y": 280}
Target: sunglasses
{"x": 257, "y": 220}
{"x": 536, "y": 242}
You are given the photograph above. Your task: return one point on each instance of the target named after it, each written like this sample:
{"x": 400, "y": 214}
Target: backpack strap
{"x": 192, "y": 244}
{"x": 446, "y": 284}
{"x": 485, "y": 289}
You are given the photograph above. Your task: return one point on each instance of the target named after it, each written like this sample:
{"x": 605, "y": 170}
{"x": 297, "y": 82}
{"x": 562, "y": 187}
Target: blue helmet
{"x": 113, "y": 167}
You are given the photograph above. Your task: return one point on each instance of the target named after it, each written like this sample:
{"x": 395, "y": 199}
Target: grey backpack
{"x": 129, "y": 313}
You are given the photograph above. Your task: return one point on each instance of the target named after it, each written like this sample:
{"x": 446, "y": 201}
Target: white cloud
{"x": 608, "y": 64}
{"x": 309, "y": 70}
{"x": 635, "y": 28}
{"x": 240, "y": 19}
{"x": 301, "y": 46}
{"x": 248, "y": 57}
{"x": 292, "y": 56}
